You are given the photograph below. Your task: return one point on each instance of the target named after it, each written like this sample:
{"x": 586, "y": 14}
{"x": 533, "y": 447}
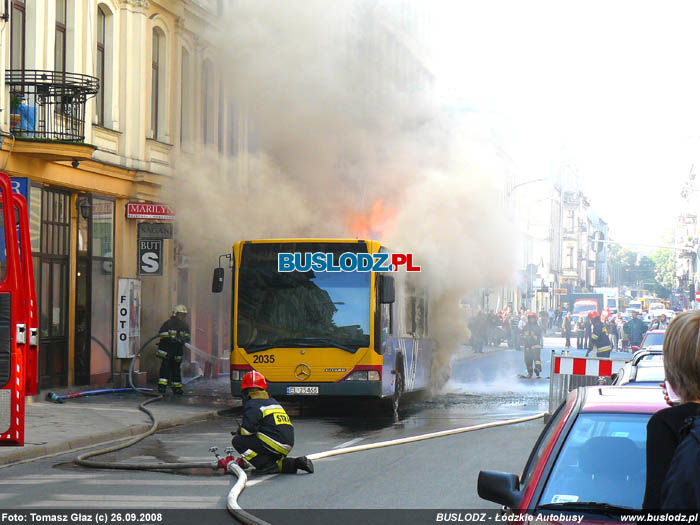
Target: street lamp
{"x": 523, "y": 184}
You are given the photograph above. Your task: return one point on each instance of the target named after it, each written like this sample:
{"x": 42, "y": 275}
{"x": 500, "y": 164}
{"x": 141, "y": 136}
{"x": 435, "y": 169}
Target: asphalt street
{"x": 431, "y": 474}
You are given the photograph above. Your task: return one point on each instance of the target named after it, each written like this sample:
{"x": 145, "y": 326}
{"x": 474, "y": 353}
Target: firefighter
{"x": 173, "y": 335}
{"x": 266, "y": 435}
{"x": 531, "y": 338}
{"x": 600, "y": 340}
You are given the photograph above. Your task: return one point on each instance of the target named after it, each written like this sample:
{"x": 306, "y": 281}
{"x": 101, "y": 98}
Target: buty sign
{"x": 150, "y": 257}
{"x": 139, "y": 210}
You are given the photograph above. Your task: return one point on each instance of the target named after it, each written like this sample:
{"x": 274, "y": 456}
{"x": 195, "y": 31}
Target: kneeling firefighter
{"x": 266, "y": 434}
{"x": 600, "y": 340}
{"x": 532, "y": 344}
{"x": 173, "y": 335}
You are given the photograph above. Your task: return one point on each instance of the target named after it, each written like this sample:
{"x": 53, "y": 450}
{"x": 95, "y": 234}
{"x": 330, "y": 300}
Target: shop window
{"x": 35, "y": 218}
{"x": 102, "y": 228}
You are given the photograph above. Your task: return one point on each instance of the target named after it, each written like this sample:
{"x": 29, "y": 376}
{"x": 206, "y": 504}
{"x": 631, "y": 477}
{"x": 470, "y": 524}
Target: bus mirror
{"x": 217, "y": 283}
{"x": 386, "y": 289}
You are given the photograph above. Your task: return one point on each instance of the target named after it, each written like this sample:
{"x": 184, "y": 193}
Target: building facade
{"x": 99, "y": 99}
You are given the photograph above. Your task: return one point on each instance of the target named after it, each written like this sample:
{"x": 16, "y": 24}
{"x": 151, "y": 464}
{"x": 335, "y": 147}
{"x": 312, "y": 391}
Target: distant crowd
{"x": 489, "y": 328}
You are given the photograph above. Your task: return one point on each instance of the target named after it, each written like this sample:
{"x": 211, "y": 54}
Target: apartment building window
{"x": 60, "y": 44}
{"x": 157, "y": 61}
{"x": 206, "y": 103}
{"x": 220, "y": 129}
{"x": 100, "y": 65}
{"x": 17, "y": 36}
{"x": 231, "y": 129}
{"x": 570, "y": 257}
{"x": 184, "y": 98}
{"x": 570, "y": 215}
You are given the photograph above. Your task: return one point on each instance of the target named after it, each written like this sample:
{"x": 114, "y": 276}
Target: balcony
{"x": 47, "y": 112}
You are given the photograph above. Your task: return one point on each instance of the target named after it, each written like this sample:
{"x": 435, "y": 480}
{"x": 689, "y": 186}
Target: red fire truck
{"x": 18, "y": 315}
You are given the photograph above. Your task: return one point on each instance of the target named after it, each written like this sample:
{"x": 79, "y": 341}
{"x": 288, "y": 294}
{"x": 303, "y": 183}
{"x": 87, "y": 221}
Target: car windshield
{"x": 602, "y": 460}
{"x": 654, "y": 340}
{"x": 650, "y": 374}
{"x": 298, "y": 309}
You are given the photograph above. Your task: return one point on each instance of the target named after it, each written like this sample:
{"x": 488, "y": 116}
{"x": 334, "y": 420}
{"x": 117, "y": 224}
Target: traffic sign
{"x": 697, "y": 297}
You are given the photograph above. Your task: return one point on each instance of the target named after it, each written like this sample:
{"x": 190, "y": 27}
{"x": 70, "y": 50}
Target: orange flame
{"x": 373, "y": 224}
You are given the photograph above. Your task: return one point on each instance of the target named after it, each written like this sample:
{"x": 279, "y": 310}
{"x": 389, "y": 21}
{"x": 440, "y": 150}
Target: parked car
{"x": 653, "y": 340}
{"x": 589, "y": 459}
{"x": 646, "y": 368}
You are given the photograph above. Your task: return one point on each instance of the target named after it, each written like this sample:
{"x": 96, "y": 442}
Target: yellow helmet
{"x": 180, "y": 309}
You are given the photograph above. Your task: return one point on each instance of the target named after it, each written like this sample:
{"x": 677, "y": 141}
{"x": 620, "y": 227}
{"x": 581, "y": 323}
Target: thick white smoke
{"x": 336, "y": 124}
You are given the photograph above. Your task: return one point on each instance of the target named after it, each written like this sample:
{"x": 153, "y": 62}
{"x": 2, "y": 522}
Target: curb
{"x": 22, "y": 456}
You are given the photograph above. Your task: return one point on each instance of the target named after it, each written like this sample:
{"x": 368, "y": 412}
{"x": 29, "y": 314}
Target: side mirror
{"x": 387, "y": 294}
{"x": 500, "y": 488}
{"x": 217, "y": 283}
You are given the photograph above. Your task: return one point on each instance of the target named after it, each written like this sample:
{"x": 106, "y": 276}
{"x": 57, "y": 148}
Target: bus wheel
{"x": 398, "y": 390}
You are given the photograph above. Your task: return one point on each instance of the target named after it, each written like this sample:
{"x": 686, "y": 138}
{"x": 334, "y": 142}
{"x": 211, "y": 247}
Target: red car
{"x": 590, "y": 459}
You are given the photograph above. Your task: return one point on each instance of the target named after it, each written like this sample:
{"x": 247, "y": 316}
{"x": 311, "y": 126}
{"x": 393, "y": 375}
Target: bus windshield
{"x": 584, "y": 307}
{"x": 301, "y": 309}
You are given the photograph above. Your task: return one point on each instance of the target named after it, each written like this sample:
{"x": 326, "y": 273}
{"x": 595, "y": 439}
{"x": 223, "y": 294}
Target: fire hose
{"x": 248, "y": 519}
{"x": 85, "y": 462}
{"x": 233, "y": 468}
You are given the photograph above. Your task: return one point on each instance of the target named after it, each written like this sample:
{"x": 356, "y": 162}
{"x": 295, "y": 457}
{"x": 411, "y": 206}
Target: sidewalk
{"x": 52, "y": 428}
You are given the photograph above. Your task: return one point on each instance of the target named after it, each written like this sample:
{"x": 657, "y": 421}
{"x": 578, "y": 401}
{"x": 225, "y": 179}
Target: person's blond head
{"x": 682, "y": 355}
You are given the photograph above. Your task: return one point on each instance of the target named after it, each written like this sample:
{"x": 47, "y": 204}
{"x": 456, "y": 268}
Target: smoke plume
{"x": 339, "y": 135}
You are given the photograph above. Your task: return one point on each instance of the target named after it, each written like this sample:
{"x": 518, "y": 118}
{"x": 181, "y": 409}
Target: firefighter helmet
{"x": 180, "y": 309}
{"x": 253, "y": 380}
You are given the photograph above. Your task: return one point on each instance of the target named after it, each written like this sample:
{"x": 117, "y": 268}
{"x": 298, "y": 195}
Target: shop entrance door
{"x": 53, "y": 288}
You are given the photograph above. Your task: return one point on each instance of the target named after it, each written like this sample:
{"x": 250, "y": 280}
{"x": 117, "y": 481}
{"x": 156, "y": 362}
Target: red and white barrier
{"x": 587, "y": 366}
{"x": 568, "y": 373}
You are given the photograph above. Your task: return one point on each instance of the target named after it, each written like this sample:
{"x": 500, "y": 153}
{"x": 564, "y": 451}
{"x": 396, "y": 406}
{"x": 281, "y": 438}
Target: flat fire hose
{"x": 248, "y": 519}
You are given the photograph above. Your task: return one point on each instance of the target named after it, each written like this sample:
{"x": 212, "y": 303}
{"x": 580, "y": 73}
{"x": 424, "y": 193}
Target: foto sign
{"x": 150, "y": 254}
{"x": 128, "y": 317}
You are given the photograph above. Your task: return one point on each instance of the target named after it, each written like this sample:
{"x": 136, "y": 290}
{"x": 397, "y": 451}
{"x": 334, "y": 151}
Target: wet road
{"x": 437, "y": 473}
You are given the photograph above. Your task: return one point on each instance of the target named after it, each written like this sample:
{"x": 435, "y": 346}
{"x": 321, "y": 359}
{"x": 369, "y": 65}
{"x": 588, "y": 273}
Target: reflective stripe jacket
{"x": 532, "y": 336}
{"x": 599, "y": 335}
{"x": 173, "y": 335}
{"x": 265, "y": 418}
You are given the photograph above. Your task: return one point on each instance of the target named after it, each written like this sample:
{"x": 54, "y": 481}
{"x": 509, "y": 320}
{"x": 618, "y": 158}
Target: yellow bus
{"x": 326, "y": 333}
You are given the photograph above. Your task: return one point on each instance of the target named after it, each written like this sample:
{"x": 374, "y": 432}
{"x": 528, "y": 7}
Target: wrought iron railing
{"x": 49, "y": 105}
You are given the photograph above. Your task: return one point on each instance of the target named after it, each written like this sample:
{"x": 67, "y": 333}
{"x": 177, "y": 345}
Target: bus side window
{"x": 420, "y": 316}
{"x": 410, "y": 314}
{"x": 387, "y": 319}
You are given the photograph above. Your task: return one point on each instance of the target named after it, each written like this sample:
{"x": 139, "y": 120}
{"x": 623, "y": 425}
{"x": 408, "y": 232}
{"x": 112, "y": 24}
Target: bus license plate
{"x": 302, "y": 390}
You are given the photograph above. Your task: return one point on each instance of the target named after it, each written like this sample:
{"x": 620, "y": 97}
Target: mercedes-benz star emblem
{"x": 302, "y": 372}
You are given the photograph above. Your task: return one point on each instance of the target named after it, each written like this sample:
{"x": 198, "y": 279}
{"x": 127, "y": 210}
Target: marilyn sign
{"x": 138, "y": 210}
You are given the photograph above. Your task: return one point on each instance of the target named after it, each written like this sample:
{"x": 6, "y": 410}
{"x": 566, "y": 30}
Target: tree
{"x": 664, "y": 262}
